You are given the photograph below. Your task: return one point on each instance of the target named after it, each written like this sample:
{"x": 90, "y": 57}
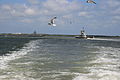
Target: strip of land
{"x": 45, "y": 35}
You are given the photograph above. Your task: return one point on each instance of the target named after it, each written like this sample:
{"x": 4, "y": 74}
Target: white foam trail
{"x": 105, "y": 65}
{"x": 82, "y": 77}
{"x": 106, "y": 39}
{"x": 16, "y": 54}
{"x": 57, "y": 74}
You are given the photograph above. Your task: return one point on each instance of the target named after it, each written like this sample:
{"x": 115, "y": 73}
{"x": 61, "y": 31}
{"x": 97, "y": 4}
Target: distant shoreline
{"x": 58, "y": 35}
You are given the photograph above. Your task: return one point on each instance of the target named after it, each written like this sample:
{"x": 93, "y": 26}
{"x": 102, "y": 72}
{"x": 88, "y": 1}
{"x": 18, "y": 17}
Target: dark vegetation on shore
{"x": 44, "y": 35}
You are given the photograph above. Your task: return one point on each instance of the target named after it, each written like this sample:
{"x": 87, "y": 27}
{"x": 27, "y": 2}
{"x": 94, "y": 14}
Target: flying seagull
{"x": 52, "y": 21}
{"x": 90, "y": 1}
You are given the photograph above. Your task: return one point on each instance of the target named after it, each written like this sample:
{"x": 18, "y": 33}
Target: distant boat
{"x": 82, "y": 35}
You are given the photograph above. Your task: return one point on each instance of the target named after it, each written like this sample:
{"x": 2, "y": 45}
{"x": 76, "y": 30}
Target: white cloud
{"x": 33, "y": 1}
{"x": 68, "y": 16}
{"x": 60, "y": 6}
{"x": 26, "y": 20}
{"x": 113, "y": 3}
{"x": 30, "y": 11}
{"x": 116, "y": 17}
{"x": 83, "y": 14}
{"x": 45, "y": 8}
{"x": 109, "y": 4}
{"x": 6, "y": 7}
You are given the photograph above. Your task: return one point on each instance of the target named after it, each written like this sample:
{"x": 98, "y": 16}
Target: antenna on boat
{"x": 83, "y": 28}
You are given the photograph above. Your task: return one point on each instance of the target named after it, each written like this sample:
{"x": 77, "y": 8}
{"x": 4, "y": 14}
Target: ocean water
{"x": 59, "y": 59}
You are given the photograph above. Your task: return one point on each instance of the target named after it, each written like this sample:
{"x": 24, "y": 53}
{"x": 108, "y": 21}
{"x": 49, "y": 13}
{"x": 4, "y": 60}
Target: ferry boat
{"x": 83, "y": 35}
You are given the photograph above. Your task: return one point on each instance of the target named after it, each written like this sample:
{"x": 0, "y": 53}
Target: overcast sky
{"x": 25, "y": 16}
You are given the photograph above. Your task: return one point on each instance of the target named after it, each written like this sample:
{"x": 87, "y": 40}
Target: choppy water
{"x": 59, "y": 59}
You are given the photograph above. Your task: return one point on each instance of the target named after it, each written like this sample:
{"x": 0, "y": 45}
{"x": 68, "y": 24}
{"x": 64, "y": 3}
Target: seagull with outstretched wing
{"x": 90, "y": 1}
{"x": 52, "y": 21}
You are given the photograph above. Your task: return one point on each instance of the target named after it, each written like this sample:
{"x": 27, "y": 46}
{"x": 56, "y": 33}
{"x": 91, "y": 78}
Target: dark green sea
{"x": 59, "y": 59}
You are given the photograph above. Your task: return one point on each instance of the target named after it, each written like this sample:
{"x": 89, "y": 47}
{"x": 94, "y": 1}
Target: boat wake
{"x": 105, "y": 66}
{"x": 105, "y": 39}
{"x": 16, "y": 54}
